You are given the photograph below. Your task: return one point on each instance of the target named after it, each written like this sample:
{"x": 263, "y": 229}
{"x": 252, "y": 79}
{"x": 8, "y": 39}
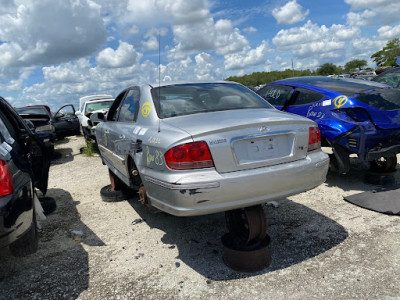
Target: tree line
{"x": 386, "y": 57}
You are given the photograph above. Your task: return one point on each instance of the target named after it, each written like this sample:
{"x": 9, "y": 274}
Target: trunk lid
{"x": 248, "y": 139}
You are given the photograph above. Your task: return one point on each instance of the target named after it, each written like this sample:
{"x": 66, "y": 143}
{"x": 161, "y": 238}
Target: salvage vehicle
{"x": 206, "y": 147}
{"x": 88, "y": 106}
{"x": 355, "y": 117}
{"x": 24, "y": 166}
{"x": 64, "y": 122}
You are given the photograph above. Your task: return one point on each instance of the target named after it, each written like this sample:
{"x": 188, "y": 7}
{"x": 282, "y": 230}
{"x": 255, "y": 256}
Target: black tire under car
{"x": 384, "y": 165}
{"x": 107, "y": 195}
{"x": 28, "y": 243}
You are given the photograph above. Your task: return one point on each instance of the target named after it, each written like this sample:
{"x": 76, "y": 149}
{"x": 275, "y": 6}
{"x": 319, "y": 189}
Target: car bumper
{"x": 210, "y": 192}
{"x": 16, "y": 213}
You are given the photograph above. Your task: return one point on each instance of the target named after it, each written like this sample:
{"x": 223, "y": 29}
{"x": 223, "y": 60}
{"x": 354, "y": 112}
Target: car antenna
{"x": 159, "y": 78}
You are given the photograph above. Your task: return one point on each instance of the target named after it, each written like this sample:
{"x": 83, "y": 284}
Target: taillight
{"x": 6, "y": 185}
{"x": 189, "y": 156}
{"x": 314, "y": 138}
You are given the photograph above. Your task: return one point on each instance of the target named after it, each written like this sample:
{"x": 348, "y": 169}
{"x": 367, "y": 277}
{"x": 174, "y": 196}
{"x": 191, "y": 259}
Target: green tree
{"x": 387, "y": 56}
{"x": 355, "y": 64}
{"x": 327, "y": 69}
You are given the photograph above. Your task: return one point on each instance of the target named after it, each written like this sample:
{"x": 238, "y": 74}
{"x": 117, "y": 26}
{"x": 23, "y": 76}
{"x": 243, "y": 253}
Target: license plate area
{"x": 265, "y": 148}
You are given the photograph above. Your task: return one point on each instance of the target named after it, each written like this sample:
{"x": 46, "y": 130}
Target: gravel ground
{"x": 322, "y": 247}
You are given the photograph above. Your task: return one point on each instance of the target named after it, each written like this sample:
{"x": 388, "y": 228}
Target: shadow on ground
{"x": 60, "y": 268}
{"x": 297, "y": 234}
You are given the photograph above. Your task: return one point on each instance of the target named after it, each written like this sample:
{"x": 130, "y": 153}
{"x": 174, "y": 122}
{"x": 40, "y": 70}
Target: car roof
{"x": 168, "y": 83}
{"x": 345, "y": 86}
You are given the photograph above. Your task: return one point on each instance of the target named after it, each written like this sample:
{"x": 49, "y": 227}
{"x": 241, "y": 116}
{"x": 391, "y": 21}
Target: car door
{"x": 66, "y": 122}
{"x": 120, "y": 125}
{"x": 28, "y": 151}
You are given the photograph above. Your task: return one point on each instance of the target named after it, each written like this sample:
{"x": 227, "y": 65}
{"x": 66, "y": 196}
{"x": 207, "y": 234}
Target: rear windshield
{"x": 97, "y": 106}
{"x": 185, "y": 99}
{"x": 344, "y": 86}
{"x": 385, "y": 99}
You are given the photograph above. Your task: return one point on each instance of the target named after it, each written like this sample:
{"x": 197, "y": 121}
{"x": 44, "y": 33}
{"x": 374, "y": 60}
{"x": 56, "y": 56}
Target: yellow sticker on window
{"x": 339, "y": 101}
{"x": 146, "y": 108}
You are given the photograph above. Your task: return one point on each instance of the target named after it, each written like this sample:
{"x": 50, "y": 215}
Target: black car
{"x": 63, "y": 123}
{"x": 390, "y": 76}
{"x": 24, "y": 166}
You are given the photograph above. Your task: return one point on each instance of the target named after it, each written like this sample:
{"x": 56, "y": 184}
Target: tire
{"x": 28, "y": 243}
{"x": 107, "y": 195}
{"x": 384, "y": 164}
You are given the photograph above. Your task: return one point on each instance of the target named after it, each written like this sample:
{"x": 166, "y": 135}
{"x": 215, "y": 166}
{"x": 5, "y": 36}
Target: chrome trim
{"x": 177, "y": 186}
{"x": 113, "y": 154}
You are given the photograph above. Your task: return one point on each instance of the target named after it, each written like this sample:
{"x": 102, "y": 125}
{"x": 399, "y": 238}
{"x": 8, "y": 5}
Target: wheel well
{"x": 135, "y": 180}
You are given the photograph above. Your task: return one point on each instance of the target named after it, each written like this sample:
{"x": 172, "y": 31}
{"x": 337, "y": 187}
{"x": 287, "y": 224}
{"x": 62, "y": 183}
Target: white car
{"x": 89, "y": 105}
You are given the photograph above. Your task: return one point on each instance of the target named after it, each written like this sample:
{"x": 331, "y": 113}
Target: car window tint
{"x": 276, "y": 94}
{"x": 306, "y": 96}
{"x": 129, "y": 107}
{"x": 392, "y": 79}
{"x": 384, "y": 99}
{"x": 185, "y": 99}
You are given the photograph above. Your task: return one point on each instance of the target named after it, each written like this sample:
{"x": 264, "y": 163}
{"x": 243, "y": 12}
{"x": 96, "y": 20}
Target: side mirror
{"x": 78, "y": 113}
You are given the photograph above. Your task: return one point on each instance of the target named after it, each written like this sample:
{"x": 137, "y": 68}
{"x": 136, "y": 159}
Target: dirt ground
{"x": 322, "y": 246}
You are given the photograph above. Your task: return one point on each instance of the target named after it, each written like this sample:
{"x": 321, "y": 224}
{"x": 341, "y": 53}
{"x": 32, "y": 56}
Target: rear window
{"x": 343, "y": 86}
{"x": 186, "y": 99}
{"x": 385, "y": 99}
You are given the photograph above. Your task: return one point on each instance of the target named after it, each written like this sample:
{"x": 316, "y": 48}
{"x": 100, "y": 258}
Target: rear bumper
{"x": 16, "y": 215}
{"x": 212, "y": 192}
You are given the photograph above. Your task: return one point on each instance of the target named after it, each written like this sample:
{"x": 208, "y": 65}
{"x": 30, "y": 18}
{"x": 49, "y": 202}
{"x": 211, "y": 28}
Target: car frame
{"x": 354, "y": 116}
{"x": 189, "y": 158}
{"x": 24, "y": 166}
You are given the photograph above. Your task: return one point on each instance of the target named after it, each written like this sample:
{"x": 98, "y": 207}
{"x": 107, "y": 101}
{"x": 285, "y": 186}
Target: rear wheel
{"x": 28, "y": 243}
{"x": 384, "y": 164}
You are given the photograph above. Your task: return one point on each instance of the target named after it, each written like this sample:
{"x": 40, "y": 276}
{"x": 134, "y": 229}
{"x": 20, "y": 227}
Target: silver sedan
{"x": 201, "y": 148}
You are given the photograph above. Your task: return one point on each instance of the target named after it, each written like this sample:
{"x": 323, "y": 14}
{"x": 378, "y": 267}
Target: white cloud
{"x": 249, "y": 57}
{"x": 388, "y": 32}
{"x": 388, "y": 11}
{"x": 361, "y": 19}
{"x": 290, "y": 13}
{"x": 310, "y": 39}
{"x": 250, "y": 29}
{"x": 124, "y": 56}
{"x": 49, "y": 32}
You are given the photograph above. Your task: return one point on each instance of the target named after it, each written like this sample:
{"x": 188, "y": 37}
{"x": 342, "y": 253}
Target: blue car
{"x": 354, "y": 116}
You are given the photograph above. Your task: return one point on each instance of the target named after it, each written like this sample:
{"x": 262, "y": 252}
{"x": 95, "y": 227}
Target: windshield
{"x": 185, "y": 99}
{"x": 91, "y": 107}
{"x": 32, "y": 111}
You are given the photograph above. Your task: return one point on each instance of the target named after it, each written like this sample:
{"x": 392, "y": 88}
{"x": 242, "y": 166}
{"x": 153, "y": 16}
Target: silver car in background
{"x": 201, "y": 148}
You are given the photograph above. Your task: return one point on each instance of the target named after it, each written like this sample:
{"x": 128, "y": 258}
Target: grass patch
{"x": 91, "y": 149}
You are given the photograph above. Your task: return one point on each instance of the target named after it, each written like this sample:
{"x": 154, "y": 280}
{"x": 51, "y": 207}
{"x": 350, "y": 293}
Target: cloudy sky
{"x": 55, "y": 51}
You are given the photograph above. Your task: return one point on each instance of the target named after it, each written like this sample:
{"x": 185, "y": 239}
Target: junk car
{"x": 200, "y": 148}
{"x": 24, "y": 166}
{"x": 89, "y": 105}
{"x": 354, "y": 116}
